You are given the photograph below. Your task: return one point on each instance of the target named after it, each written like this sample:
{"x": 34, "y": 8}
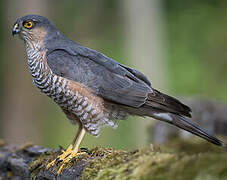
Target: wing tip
{"x": 174, "y": 105}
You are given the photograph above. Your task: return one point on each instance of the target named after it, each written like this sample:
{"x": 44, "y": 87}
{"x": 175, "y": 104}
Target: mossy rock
{"x": 185, "y": 163}
{"x": 151, "y": 164}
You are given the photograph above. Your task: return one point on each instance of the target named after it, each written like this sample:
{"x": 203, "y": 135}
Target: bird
{"x": 92, "y": 89}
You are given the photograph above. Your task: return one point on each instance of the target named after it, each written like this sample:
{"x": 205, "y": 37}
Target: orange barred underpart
{"x": 77, "y": 101}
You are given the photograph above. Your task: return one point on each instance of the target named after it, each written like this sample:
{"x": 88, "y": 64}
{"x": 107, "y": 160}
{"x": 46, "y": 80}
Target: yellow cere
{"x": 28, "y": 24}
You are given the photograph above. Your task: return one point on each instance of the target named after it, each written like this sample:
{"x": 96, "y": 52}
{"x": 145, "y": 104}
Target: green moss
{"x": 117, "y": 164}
{"x": 39, "y": 163}
{"x": 148, "y": 163}
{"x": 199, "y": 163}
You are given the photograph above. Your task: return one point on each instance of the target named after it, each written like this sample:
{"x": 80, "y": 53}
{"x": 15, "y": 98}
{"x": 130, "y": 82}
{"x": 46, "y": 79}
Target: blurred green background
{"x": 180, "y": 45}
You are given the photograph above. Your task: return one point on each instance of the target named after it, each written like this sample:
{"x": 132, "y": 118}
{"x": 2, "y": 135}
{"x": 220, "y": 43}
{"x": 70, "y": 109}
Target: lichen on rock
{"x": 179, "y": 159}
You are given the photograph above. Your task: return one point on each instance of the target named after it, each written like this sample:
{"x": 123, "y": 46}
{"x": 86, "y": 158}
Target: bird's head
{"x": 32, "y": 28}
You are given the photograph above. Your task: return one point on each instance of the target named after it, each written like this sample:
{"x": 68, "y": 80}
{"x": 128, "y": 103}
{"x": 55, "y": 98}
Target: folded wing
{"x": 109, "y": 79}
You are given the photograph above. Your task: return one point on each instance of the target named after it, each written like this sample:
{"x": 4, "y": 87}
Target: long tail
{"x": 166, "y": 108}
{"x": 187, "y": 125}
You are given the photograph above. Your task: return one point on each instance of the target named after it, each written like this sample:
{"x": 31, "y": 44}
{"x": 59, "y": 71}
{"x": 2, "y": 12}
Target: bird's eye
{"x": 28, "y": 24}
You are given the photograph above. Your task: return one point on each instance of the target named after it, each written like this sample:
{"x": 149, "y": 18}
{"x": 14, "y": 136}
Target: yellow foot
{"x": 64, "y": 154}
{"x": 64, "y": 158}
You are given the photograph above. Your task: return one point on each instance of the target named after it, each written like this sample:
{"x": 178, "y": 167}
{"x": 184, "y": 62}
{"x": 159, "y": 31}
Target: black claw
{"x": 58, "y": 161}
{"x": 67, "y": 156}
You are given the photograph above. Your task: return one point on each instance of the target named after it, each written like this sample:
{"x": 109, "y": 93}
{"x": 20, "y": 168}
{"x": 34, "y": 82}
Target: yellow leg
{"x": 81, "y": 136}
{"x": 69, "y": 153}
{"x": 77, "y": 134}
{"x": 74, "y": 153}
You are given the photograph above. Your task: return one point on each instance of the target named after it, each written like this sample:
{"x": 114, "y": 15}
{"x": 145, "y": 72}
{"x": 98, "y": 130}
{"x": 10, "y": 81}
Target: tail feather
{"x": 187, "y": 125}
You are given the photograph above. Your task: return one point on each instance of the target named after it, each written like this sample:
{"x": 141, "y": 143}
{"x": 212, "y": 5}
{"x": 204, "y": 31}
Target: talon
{"x": 50, "y": 164}
{"x": 64, "y": 159}
{"x": 60, "y": 170}
{"x": 68, "y": 154}
{"x": 65, "y": 162}
{"x": 61, "y": 157}
{"x": 57, "y": 159}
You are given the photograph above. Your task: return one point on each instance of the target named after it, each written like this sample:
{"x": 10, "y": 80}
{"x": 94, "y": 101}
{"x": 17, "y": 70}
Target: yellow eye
{"x": 28, "y": 24}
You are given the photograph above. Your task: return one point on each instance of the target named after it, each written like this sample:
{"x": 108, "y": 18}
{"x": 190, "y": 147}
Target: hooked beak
{"x": 16, "y": 29}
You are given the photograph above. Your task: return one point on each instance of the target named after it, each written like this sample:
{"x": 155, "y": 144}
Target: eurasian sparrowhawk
{"x": 92, "y": 89}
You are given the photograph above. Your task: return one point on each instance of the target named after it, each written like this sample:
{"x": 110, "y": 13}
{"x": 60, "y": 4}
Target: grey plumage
{"x": 108, "y": 78}
{"x": 120, "y": 90}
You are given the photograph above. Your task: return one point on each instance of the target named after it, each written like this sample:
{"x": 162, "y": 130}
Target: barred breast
{"x": 76, "y": 100}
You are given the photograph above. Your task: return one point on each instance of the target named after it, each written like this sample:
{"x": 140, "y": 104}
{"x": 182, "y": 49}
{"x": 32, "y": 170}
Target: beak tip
{"x": 15, "y": 29}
